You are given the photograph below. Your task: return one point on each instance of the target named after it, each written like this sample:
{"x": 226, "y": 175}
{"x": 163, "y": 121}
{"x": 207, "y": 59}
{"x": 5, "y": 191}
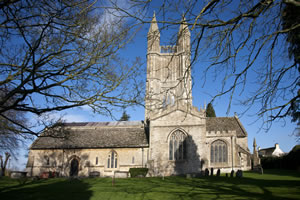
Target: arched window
{"x": 218, "y": 152}
{"x": 112, "y": 160}
{"x": 47, "y": 160}
{"x": 177, "y": 146}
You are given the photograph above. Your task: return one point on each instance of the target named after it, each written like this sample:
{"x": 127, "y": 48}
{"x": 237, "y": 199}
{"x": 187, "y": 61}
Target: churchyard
{"x": 273, "y": 184}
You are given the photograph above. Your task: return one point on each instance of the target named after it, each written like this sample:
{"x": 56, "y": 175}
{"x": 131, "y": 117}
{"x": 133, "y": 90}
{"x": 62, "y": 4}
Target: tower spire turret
{"x": 255, "y": 157}
{"x": 153, "y": 36}
{"x": 184, "y": 36}
{"x": 153, "y": 27}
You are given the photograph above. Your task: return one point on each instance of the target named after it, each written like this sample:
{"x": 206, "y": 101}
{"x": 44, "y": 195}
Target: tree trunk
{"x": 3, "y": 164}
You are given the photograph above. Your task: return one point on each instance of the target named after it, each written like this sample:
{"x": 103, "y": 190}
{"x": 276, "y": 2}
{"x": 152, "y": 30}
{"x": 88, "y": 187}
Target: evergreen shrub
{"x": 138, "y": 172}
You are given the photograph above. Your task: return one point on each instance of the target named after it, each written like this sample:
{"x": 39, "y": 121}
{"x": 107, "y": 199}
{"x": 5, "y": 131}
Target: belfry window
{"x": 218, "y": 152}
{"x": 112, "y": 160}
{"x": 177, "y": 146}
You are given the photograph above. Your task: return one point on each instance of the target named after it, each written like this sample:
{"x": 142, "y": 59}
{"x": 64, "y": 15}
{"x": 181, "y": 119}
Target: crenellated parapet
{"x": 168, "y": 49}
{"x": 220, "y": 133}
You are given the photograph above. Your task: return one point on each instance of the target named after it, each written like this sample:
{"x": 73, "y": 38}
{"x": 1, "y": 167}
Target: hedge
{"x": 137, "y": 172}
{"x": 289, "y": 161}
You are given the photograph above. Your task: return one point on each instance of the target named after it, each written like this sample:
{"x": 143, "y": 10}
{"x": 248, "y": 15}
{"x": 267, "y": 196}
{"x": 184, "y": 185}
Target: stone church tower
{"x": 182, "y": 139}
{"x": 168, "y": 70}
{"x": 176, "y": 127}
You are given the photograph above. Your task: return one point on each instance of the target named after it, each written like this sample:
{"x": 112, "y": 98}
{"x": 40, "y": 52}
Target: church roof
{"x": 95, "y": 135}
{"x": 225, "y": 124}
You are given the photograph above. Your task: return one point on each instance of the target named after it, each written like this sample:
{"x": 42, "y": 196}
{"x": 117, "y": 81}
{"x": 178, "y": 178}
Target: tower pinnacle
{"x": 183, "y": 29}
{"x": 153, "y": 27}
{"x": 184, "y": 37}
{"x": 254, "y": 144}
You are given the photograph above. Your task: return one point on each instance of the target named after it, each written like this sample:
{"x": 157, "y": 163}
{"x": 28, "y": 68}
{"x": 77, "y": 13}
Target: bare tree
{"x": 11, "y": 136}
{"x": 56, "y": 55}
{"x": 245, "y": 43}
{"x": 3, "y": 163}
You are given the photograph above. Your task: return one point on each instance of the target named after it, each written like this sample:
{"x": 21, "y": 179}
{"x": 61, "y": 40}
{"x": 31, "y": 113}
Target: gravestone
{"x": 212, "y": 171}
{"x": 239, "y": 174}
{"x": 202, "y": 173}
{"x": 232, "y": 173}
{"x": 218, "y": 173}
{"x": 206, "y": 172}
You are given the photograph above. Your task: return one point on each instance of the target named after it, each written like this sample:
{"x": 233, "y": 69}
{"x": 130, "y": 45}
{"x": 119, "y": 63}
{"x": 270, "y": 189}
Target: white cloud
{"x": 87, "y": 108}
{"x": 74, "y": 118}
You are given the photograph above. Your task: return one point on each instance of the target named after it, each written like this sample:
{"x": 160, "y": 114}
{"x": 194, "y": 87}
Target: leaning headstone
{"x": 231, "y": 173}
{"x": 218, "y": 173}
{"x": 212, "y": 171}
{"x": 226, "y": 174}
{"x": 206, "y": 173}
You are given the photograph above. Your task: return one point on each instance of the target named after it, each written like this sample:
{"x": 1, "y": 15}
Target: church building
{"x": 174, "y": 138}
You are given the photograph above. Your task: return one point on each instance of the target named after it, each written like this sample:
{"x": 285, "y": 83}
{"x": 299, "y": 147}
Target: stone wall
{"x": 59, "y": 160}
{"x": 161, "y": 128}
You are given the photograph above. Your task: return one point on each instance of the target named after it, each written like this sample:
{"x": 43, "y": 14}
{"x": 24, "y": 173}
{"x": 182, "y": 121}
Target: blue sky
{"x": 280, "y": 132}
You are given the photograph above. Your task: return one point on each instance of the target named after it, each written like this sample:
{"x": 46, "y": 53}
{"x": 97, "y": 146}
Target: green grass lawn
{"x": 273, "y": 184}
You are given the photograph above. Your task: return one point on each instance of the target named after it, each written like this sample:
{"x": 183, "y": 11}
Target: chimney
{"x": 276, "y": 146}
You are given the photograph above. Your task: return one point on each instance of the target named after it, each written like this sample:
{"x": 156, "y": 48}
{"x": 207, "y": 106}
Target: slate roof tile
{"x": 95, "y": 135}
{"x": 225, "y": 124}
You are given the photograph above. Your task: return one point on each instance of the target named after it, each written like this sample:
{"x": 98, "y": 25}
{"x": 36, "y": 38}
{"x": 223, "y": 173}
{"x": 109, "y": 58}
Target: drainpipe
{"x": 142, "y": 157}
{"x": 232, "y": 152}
{"x": 63, "y": 159}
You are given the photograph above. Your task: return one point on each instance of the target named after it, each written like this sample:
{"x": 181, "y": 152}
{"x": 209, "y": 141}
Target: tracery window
{"x": 112, "y": 160}
{"x": 218, "y": 152}
{"x": 177, "y": 146}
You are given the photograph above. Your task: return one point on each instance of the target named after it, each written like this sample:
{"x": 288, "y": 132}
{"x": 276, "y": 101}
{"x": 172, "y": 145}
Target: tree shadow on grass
{"x": 157, "y": 188}
{"x": 55, "y": 189}
{"x": 204, "y": 188}
{"x": 237, "y": 188}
